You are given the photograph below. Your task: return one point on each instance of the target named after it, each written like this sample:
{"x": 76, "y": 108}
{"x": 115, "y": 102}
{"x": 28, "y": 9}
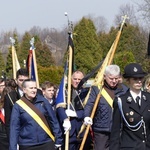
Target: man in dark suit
{"x": 13, "y": 96}
{"x": 131, "y": 115}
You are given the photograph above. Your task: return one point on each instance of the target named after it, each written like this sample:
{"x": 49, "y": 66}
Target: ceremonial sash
{"x": 36, "y": 115}
{"x": 107, "y": 97}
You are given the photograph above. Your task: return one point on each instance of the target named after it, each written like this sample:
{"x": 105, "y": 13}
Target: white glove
{"x": 70, "y": 113}
{"x": 57, "y": 146}
{"x": 17, "y": 147}
{"x": 67, "y": 126}
{"x": 88, "y": 120}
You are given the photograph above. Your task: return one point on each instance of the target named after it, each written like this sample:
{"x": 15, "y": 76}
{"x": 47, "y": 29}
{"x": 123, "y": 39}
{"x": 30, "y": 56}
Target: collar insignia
{"x": 129, "y": 99}
{"x": 144, "y": 97}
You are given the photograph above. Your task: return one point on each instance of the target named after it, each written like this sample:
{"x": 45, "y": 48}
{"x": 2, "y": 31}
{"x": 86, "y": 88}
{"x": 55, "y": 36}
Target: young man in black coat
{"x": 13, "y": 96}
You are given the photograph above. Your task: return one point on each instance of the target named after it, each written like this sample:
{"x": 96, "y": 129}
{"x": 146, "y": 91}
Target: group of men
{"x": 70, "y": 120}
{"x": 102, "y": 121}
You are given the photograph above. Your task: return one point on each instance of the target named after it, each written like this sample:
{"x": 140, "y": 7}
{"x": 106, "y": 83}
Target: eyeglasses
{"x": 116, "y": 78}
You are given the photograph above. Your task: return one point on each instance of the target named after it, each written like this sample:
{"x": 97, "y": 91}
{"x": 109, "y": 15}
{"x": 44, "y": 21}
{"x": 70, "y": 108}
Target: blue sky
{"x": 24, "y": 14}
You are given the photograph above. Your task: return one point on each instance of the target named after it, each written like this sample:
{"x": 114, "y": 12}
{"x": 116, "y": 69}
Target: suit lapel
{"x": 143, "y": 102}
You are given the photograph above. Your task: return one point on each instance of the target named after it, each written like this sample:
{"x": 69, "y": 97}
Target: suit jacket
{"x": 123, "y": 138}
{"x": 76, "y": 122}
{"x": 9, "y": 101}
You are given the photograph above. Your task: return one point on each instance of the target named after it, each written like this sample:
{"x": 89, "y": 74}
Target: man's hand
{"x": 88, "y": 120}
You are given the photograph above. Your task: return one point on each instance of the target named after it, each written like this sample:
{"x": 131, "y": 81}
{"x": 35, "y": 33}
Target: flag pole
{"x": 70, "y": 68}
{"x": 34, "y": 61}
{"x": 13, "y": 56}
{"x": 69, "y": 93}
{"x": 15, "y": 62}
{"x": 99, "y": 81}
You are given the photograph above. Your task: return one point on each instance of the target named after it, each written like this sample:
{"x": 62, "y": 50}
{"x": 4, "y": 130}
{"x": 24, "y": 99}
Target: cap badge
{"x": 135, "y": 69}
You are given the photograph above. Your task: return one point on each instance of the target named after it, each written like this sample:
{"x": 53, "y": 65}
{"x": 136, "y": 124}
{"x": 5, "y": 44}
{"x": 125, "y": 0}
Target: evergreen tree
{"x": 133, "y": 40}
{"x": 106, "y": 40}
{"x": 2, "y": 64}
{"x": 43, "y": 54}
{"x": 87, "y": 49}
{"x": 122, "y": 59}
{"x": 9, "y": 66}
{"x": 24, "y": 48}
{"x": 130, "y": 44}
{"x": 17, "y": 46}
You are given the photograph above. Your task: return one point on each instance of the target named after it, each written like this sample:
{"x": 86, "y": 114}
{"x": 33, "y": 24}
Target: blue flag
{"x": 31, "y": 64}
{"x": 61, "y": 97}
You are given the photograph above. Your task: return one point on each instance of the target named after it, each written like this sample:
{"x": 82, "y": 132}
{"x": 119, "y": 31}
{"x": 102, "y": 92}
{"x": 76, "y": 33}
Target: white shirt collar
{"x": 134, "y": 95}
{"x": 20, "y": 92}
{"x": 3, "y": 111}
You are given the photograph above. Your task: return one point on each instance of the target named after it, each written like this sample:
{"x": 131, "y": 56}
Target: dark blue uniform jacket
{"x": 24, "y": 130}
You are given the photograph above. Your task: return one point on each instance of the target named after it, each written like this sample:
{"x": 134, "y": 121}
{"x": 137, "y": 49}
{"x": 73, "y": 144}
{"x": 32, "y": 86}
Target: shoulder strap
{"x": 10, "y": 99}
{"x": 107, "y": 97}
{"x": 36, "y": 115}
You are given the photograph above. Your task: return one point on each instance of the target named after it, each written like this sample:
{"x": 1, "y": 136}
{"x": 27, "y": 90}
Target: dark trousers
{"x": 45, "y": 146}
{"x": 74, "y": 143}
{"x": 4, "y": 144}
{"x": 101, "y": 141}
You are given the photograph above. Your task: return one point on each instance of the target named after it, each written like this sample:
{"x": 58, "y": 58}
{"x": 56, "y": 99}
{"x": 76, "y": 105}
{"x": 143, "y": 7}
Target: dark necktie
{"x": 138, "y": 101}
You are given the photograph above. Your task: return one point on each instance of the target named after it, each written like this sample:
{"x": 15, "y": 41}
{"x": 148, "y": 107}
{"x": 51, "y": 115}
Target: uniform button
{"x": 143, "y": 141}
{"x": 142, "y": 132}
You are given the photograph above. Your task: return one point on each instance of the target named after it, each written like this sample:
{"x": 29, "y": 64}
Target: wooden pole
{"x": 99, "y": 80}
{"x": 13, "y": 57}
{"x": 88, "y": 126}
{"x": 13, "y": 62}
{"x": 69, "y": 93}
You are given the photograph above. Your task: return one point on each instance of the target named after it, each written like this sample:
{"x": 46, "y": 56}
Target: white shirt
{"x": 20, "y": 92}
{"x": 134, "y": 95}
{"x": 2, "y": 110}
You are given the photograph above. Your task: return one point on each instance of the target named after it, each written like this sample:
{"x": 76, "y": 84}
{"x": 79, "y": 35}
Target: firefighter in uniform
{"x": 131, "y": 115}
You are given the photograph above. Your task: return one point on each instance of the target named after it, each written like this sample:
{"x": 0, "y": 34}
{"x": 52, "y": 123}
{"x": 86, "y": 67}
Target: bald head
{"x": 77, "y": 76}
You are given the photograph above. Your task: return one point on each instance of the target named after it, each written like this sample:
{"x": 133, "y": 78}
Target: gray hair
{"x": 112, "y": 70}
{"x": 25, "y": 81}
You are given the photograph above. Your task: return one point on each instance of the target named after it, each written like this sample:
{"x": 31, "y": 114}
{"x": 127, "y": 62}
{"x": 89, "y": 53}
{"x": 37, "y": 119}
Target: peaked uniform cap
{"x": 134, "y": 70}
